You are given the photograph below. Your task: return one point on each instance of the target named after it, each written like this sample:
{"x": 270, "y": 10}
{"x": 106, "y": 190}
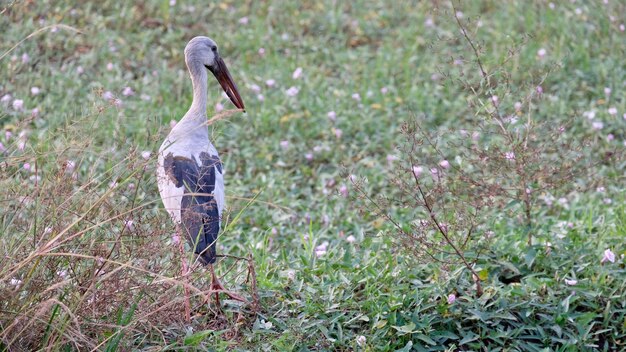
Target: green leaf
{"x": 405, "y": 329}
{"x": 195, "y": 339}
{"x": 426, "y": 339}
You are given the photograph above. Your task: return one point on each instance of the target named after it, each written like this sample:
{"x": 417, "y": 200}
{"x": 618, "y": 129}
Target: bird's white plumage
{"x": 189, "y": 147}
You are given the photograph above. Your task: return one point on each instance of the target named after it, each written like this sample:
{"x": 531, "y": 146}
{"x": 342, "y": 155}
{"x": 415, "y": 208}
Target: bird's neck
{"x": 198, "y": 74}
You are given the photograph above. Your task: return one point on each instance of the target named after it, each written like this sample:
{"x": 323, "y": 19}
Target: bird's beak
{"x": 220, "y": 71}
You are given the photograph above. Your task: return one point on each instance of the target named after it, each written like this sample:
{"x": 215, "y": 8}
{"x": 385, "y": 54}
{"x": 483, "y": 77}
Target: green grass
{"x": 88, "y": 282}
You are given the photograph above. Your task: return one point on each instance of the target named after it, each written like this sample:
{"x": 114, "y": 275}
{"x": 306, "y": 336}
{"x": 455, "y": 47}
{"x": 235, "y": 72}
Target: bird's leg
{"x": 184, "y": 272}
{"x": 217, "y": 287}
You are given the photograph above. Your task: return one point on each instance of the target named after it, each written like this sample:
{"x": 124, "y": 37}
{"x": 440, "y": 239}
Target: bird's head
{"x": 203, "y": 50}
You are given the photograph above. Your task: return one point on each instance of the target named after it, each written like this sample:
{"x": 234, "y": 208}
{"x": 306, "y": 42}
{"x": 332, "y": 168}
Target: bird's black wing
{"x": 200, "y": 217}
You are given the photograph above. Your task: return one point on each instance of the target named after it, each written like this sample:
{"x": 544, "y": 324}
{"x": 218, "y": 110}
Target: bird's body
{"x": 190, "y": 175}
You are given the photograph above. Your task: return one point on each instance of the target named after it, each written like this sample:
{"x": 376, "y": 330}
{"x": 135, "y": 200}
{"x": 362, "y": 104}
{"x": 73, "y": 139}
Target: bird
{"x": 190, "y": 175}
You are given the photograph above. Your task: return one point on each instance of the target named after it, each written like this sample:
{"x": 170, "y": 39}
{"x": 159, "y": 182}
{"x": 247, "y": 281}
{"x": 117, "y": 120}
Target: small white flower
{"x": 609, "y": 256}
{"x": 612, "y": 110}
{"x": 129, "y": 225}
{"x": 509, "y": 156}
{"x": 517, "y": 106}
{"x": 255, "y": 88}
{"x": 417, "y": 171}
{"x": 16, "y": 282}
{"x": 146, "y": 154}
{"x": 270, "y": 83}
{"x": 451, "y": 298}
{"x": 361, "y": 340}
{"x": 219, "y": 107}
{"x": 607, "y": 91}
{"x": 292, "y": 91}
{"x": 109, "y": 66}
{"x": 571, "y": 282}
{"x": 332, "y": 115}
{"x": 34, "y": 90}
{"x": 128, "y": 91}
{"x": 260, "y": 97}
{"x": 243, "y": 20}
{"x": 597, "y": 125}
{"x": 18, "y": 104}
{"x": 284, "y": 144}
{"x": 338, "y": 132}
{"x": 297, "y": 73}
{"x": 541, "y": 52}
{"x": 261, "y": 51}
{"x": 444, "y": 164}
{"x": 6, "y": 99}
{"x": 350, "y": 239}
{"x": 356, "y": 96}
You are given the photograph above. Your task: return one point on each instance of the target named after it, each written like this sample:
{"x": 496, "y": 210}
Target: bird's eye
{"x": 214, "y": 48}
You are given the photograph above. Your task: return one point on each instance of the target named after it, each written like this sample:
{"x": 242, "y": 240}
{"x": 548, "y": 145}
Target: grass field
{"x": 322, "y": 191}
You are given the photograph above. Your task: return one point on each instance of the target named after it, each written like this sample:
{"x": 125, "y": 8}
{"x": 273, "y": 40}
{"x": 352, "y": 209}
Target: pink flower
{"x": 26, "y": 166}
{"x": 607, "y": 91}
{"x": 361, "y": 341}
{"x": 270, "y": 82}
{"x": 175, "y": 239}
{"x": 518, "y": 106}
{"x": 308, "y": 156}
{"x": 451, "y": 298}
{"x": 284, "y": 144}
{"x": 292, "y": 92}
{"x": 571, "y": 282}
{"x": 356, "y": 96}
{"x": 80, "y": 70}
{"x": 260, "y": 97}
{"x": 2, "y": 148}
{"x": 434, "y": 171}
{"x": 145, "y": 97}
{"x": 350, "y": 239}
{"x": 509, "y": 156}
{"x": 297, "y": 73}
{"x": 109, "y": 66}
{"x": 610, "y": 137}
{"x": 261, "y": 51}
{"x": 219, "y": 107}
{"x": 612, "y": 110}
{"x": 597, "y": 125}
{"x": 18, "y": 104}
{"x": 622, "y": 27}
{"x": 107, "y": 95}
{"x": 34, "y": 112}
{"x": 6, "y": 99}
{"x": 255, "y": 88}
{"x": 332, "y": 115}
{"x": 391, "y": 158}
{"x": 609, "y": 256}
{"x": 444, "y": 164}
{"x": 384, "y": 90}
{"x": 128, "y": 91}
{"x": 25, "y": 58}
{"x": 129, "y": 225}
{"x": 243, "y": 20}
{"x": 344, "y": 191}
{"x": 417, "y": 171}
{"x": 541, "y": 52}
{"x": 494, "y": 100}
{"x": 338, "y": 133}
{"x": 539, "y": 89}
{"x": 429, "y": 22}
{"x": 146, "y": 154}
{"x": 34, "y": 90}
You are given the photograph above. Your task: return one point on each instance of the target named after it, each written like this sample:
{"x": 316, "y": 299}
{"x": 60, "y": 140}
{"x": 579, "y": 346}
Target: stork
{"x": 189, "y": 172}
